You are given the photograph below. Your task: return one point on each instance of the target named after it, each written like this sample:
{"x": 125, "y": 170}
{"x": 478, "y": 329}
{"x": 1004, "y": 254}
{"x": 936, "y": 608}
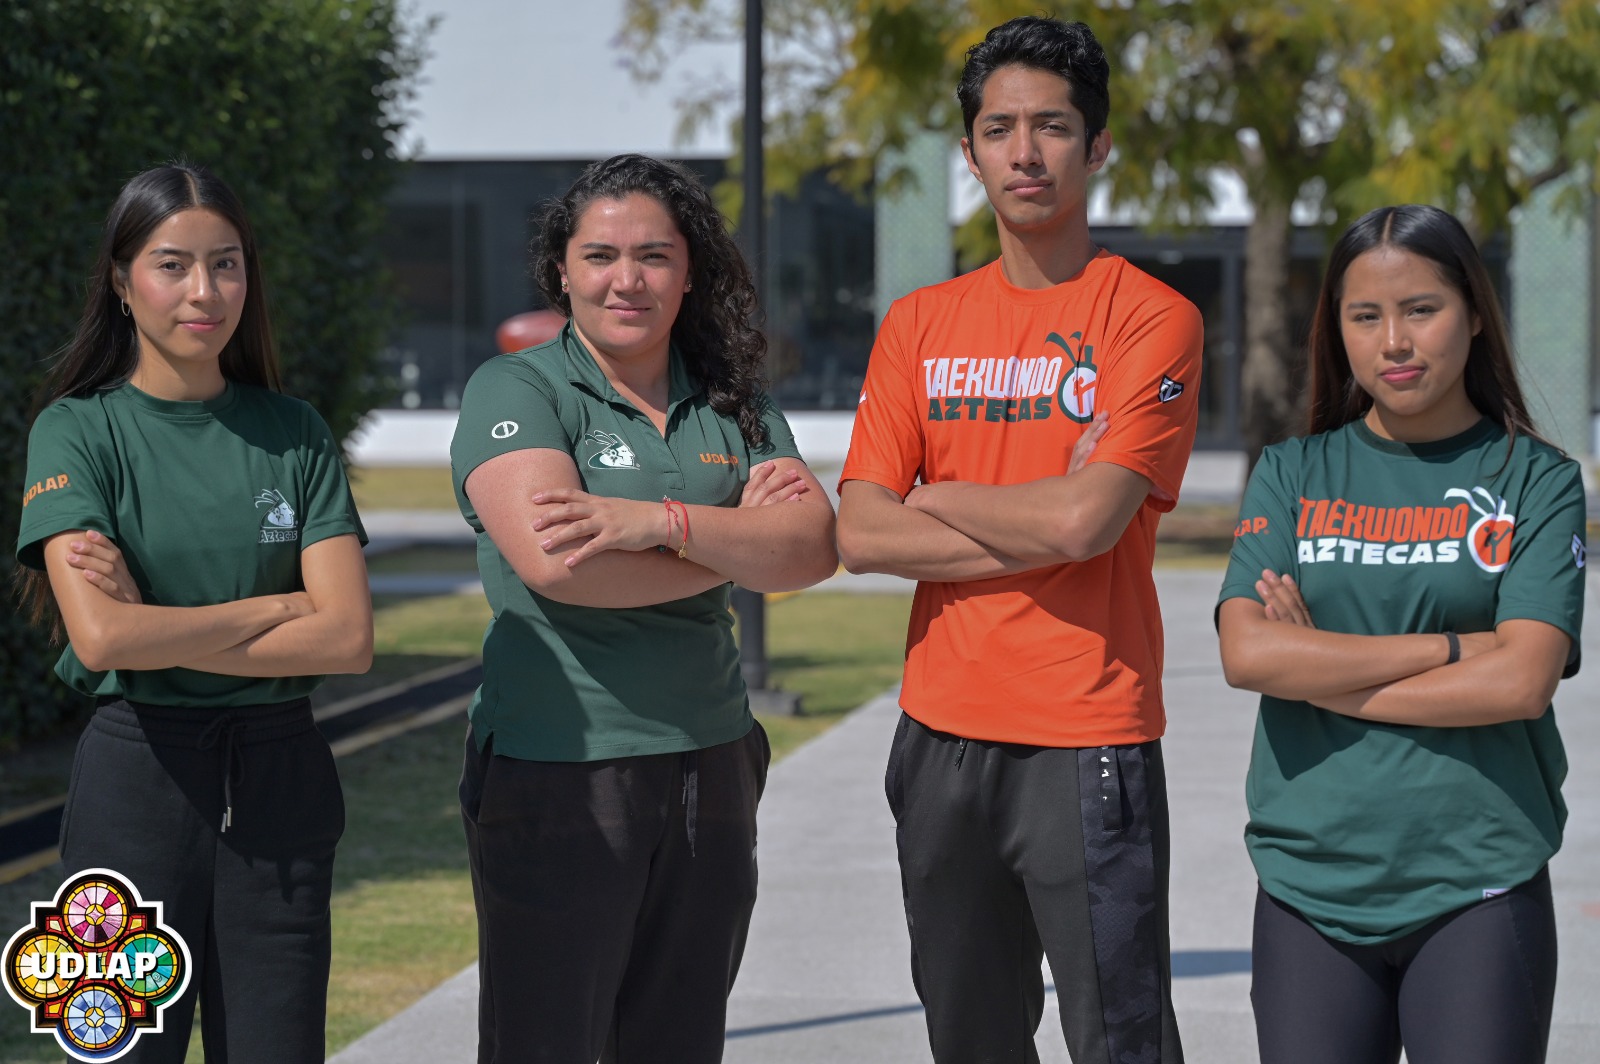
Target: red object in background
{"x": 525, "y": 330}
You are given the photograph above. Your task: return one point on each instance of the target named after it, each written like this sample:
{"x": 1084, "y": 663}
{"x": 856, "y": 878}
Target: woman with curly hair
{"x": 620, "y": 477}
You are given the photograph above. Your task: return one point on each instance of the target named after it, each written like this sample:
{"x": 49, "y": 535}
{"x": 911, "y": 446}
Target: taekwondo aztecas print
{"x": 1017, "y": 389}
{"x": 1338, "y": 530}
{"x": 96, "y": 966}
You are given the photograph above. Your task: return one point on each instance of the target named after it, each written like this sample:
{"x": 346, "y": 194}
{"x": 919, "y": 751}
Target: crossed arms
{"x": 327, "y": 628}
{"x": 959, "y": 530}
{"x": 592, "y": 550}
{"x": 1273, "y": 647}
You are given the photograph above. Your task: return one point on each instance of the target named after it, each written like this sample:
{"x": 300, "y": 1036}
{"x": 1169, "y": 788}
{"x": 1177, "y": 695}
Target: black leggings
{"x": 1474, "y": 986}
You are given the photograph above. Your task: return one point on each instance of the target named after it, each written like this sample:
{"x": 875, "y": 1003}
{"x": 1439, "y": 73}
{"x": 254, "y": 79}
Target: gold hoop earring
{"x": 126, "y": 313}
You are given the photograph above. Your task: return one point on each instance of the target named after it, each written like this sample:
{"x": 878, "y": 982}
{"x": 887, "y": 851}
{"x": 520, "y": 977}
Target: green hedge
{"x": 298, "y": 104}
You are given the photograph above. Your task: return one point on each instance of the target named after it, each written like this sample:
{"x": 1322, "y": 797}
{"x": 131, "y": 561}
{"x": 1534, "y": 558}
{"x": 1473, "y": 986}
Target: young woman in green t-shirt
{"x": 1404, "y": 787}
{"x": 195, "y": 541}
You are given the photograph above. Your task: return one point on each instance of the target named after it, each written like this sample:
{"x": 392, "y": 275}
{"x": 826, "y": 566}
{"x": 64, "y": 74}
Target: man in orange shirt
{"x": 1046, "y": 404}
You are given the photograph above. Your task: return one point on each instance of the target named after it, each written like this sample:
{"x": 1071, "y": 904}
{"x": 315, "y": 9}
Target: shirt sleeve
{"x": 1545, "y": 577}
{"x": 1264, "y": 538}
{"x": 330, "y": 509}
{"x": 506, "y": 407}
{"x": 1150, "y": 387}
{"x": 886, "y": 443}
{"x": 65, "y": 488}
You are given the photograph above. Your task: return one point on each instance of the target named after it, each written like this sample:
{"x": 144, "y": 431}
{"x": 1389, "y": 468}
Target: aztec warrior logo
{"x": 1332, "y": 530}
{"x": 1019, "y": 389}
{"x": 96, "y": 967}
{"x": 278, "y": 526}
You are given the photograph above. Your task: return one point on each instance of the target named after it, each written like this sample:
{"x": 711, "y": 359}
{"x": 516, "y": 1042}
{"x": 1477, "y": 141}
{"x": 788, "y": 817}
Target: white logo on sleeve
{"x": 1579, "y": 554}
{"x": 504, "y": 430}
{"x": 1169, "y": 389}
{"x": 279, "y": 525}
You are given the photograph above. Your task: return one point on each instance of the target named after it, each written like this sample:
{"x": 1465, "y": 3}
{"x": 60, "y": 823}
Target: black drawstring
{"x": 226, "y": 728}
{"x": 961, "y": 752}
{"x": 691, "y": 793}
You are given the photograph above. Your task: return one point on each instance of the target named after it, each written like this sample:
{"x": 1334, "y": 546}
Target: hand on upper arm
{"x": 83, "y": 606}
{"x": 100, "y": 562}
{"x": 502, "y": 490}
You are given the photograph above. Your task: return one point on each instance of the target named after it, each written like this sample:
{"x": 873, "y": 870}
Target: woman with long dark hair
{"x": 620, "y": 477}
{"x": 191, "y": 532}
{"x": 1405, "y": 592}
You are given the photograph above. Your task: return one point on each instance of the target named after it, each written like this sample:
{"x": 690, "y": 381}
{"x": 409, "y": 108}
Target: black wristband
{"x": 1455, "y": 648}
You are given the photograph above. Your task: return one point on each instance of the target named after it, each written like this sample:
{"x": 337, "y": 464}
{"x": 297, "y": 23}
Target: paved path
{"x": 825, "y": 978}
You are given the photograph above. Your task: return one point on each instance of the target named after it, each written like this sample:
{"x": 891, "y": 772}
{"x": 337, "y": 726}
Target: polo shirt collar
{"x": 583, "y": 370}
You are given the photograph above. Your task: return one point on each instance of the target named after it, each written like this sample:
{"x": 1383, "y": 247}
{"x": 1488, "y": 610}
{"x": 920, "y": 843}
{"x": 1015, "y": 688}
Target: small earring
{"x": 125, "y": 312}
{"x": 563, "y": 284}
{"x": 688, "y": 286}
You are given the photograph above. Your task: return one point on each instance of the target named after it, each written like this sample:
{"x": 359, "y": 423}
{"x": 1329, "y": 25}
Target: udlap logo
{"x": 278, "y": 526}
{"x": 96, "y": 967}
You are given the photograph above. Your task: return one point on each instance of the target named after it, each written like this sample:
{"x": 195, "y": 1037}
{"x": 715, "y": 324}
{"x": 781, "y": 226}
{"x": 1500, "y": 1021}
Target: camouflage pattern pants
{"x": 1009, "y": 853}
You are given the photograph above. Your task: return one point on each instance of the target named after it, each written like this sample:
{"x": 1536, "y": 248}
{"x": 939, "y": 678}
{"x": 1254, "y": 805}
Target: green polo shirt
{"x": 209, "y": 502}
{"x": 581, "y": 683}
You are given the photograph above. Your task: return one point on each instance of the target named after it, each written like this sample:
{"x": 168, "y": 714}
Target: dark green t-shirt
{"x": 580, "y": 683}
{"x": 209, "y": 502}
{"x": 1372, "y": 830}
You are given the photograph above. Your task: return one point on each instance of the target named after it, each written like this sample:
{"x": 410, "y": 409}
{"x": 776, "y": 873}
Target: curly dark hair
{"x": 715, "y": 329}
{"x": 1066, "y": 49}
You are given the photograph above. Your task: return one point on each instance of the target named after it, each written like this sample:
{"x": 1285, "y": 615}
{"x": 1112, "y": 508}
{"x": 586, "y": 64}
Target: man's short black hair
{"x": 1067, "y": 49}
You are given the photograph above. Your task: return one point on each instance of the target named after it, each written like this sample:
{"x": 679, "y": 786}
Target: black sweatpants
{"x": 1009, "y": 852}
{"x": 1475, "y": 986}
{"x": 613, "y": 900}
{"x": 150, "y": 788}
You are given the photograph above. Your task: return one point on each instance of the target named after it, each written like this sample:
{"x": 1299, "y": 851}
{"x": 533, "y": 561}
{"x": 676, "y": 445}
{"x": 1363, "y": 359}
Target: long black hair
{"x": 104, "y": 351}
{"x": 715, "y": 329}
{"x": 1435, "y": 235}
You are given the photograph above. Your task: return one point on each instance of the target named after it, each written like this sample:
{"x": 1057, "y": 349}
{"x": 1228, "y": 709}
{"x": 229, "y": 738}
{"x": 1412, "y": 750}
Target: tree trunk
{"x": 1269, "y": 375}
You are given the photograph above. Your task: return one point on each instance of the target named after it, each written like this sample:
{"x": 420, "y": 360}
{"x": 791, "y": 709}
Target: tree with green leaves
{"x": 1324, "y": 108}
{"x": 298, "y": 104}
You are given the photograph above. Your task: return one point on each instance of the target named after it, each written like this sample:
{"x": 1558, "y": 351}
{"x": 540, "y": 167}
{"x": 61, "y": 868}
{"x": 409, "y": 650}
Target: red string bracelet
{"x": 680, "y": 514}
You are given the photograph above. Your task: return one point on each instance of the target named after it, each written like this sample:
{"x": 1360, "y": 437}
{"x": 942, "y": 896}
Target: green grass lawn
{"x": 402, "y": 910}
{"x": 403, "y": 488}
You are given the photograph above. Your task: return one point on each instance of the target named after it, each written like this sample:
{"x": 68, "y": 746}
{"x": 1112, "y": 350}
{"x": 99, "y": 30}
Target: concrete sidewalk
{"x": 825, "y": 977}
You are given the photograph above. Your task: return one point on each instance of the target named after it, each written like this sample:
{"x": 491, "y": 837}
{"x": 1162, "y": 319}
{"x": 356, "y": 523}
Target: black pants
{"x": 1010, "y": 852}
{"x": 150, "y": 787}
{"x": 613, "y": 900}
{"x": 1475, "y": 986}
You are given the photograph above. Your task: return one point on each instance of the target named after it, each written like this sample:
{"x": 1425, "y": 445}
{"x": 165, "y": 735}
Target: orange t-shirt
{"x": 978, "y": 380}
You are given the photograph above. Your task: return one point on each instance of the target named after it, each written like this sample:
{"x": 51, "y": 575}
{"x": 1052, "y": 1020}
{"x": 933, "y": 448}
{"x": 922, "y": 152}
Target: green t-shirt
{"x": 1372, "y": 830}
{"x": 209, "y": 502}
{"x": 579, "y": 683}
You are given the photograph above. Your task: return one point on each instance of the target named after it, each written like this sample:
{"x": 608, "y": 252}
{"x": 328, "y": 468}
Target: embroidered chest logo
{"x": 280, "y": 524}
{"x": 1079, "y": 383}
{"x": 613, "y": 453}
